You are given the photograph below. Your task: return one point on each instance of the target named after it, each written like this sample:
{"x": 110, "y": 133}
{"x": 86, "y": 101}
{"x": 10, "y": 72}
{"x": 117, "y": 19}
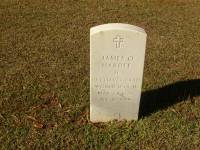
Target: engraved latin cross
{"x": 118, "y": 41}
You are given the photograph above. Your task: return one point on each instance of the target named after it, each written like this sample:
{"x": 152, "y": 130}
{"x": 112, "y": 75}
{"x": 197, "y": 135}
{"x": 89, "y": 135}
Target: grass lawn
{"x": 44, "y": 75}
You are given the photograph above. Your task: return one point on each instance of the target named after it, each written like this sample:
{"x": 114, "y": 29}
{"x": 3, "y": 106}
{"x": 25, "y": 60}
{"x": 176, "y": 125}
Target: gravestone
{"x": 117, "y": 53}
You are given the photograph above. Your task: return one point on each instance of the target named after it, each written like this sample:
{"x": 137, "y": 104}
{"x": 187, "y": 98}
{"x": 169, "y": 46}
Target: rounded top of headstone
{"x": 116, "y": 26}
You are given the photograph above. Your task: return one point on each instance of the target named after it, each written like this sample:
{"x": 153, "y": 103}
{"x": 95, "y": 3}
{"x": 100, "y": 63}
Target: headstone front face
{"x": 117, "y": 53}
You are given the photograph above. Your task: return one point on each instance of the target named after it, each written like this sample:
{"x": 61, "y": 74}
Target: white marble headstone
{"x": 117, "y": 53}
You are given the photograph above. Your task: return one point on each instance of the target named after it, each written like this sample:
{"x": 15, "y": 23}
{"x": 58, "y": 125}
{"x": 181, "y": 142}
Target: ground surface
{"x": 44, "y": 75}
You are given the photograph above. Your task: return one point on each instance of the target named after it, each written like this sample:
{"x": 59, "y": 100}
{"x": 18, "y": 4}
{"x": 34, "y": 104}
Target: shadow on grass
{"x": 157, "y": 99}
